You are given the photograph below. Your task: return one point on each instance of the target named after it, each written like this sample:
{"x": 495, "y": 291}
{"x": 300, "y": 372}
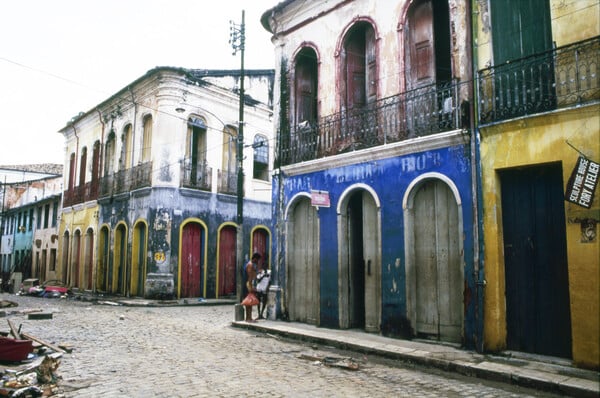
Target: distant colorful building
{"x": 151, "y": 192}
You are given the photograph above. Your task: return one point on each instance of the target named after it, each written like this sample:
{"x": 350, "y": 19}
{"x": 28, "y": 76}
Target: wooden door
{"x": 260, "y": 244}
{"x": 138, "y": 260}
{"x": 372, "y": 272}
{"x": 535, "y": 259}
{"x": 303, "y": 264}
{"x": 120, "y": 257}
{"x": 438, "y": 267}
{"x": 76, "y": 260}
{"x": 191, "y": 260}
{"x": 103, "y": 260}
{"x": 356, "y": 261}
{"x": 227, "y": 260}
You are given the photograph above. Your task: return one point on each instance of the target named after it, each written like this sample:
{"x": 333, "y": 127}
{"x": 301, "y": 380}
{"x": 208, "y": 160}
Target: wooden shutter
{"x": 421, "y": 47}
{"x": 520, "y": 28}
{"x": 355, "y": 70}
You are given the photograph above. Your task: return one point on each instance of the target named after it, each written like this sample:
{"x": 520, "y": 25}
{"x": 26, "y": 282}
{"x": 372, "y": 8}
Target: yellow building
{"x": 538, "y": 117}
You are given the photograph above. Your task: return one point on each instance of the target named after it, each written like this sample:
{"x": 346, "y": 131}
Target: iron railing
{"x": 81, "y": 193}
{"x": 196, "y": 175}
{"x": 426, "y": 110}
{"x": 122, "y": 181}
{"x": 562, "y": 77}
{"x": 227, "y": 182}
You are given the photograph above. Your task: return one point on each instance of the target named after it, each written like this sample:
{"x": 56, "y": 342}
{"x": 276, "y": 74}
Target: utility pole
{"x": 237, "y": 39}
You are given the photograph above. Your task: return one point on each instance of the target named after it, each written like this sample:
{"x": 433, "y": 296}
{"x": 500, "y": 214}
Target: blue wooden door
{"x": 535, "y": 259}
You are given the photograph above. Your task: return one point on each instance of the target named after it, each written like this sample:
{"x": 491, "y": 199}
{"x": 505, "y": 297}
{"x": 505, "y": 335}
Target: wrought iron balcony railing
{"x": 227, "y": 182}
{"x": 122, "y": 181}
{"x": 426, "y": 110}
{"x": 196, "y": 175}
{"x": 542, "y": 82}
{"x": 81, "y": 194}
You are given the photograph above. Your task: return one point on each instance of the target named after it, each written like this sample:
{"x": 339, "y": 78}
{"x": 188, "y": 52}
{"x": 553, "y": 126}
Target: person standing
{"x": 263, "y": 281}
{"x": 251, "y": 270}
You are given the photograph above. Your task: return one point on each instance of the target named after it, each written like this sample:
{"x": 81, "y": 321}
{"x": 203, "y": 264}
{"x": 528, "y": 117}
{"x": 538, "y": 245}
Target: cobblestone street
{"x": 192, "y": 351}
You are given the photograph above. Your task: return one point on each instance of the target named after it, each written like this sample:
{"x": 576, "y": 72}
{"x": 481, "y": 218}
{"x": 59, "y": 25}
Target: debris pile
{"x": 28, "y": 364}
{"x": 333, "y": 361}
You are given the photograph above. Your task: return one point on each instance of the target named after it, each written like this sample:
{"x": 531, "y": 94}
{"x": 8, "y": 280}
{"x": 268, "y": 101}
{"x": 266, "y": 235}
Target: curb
{"x": 481, "y": 369}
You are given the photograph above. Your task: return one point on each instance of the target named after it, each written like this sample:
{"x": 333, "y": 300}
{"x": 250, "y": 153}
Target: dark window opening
{"x": 261, "y": 158}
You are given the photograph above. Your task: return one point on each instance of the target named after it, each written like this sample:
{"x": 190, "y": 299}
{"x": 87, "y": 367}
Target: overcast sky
{"x": 61, "y": 57}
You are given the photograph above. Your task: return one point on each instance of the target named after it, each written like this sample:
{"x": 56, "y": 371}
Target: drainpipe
{"x": 478, "y": 270}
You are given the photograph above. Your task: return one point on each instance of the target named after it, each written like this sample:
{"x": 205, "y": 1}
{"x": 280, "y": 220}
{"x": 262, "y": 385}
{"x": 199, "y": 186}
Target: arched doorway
{"x": 119, "y": 265}
{"x": 302, "y": 261}
{"x": 66, "y": 247}
{"x": 88, "y": 259}
{"x": 261, "y": 244}
{"x": 359, "y": 263}
{"x": 103, "y": 259}
{"x": 76, "y": 259}
{"x": 434, "y": 263}
{"x": 227, "y": 258}
{"x": 191, "y": 259}
{"x": 138, "y": 259}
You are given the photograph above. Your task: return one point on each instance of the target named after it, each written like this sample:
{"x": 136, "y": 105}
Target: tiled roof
{"x": 46, "y": 168}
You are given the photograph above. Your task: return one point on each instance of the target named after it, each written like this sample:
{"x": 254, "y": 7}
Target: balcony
{"x": 81, "y": 194}
{"x": 227, "y": 182}
{"x": 560, "y": 78}
{"x": 424, "y": 111}
{"x": 123, "y": 181}
{"x": 196, "y": 175}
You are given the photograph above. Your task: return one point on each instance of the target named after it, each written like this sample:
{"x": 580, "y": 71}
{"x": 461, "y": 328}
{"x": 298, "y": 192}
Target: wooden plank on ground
{"x": 13, "y": 329}
{"x": 47, "y": 344}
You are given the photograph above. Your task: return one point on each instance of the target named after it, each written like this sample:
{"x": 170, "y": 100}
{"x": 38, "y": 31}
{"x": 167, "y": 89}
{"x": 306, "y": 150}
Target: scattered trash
{"x": 53, "y": 288}
{"x": 29, "y": 364}
{"x": 337, "y": 362}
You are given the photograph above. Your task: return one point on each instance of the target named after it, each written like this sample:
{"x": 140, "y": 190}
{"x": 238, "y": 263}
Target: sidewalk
{"x": 541, "y": 373}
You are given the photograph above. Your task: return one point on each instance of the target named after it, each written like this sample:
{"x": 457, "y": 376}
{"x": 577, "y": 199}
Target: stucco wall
{"x": 538, "y": 140}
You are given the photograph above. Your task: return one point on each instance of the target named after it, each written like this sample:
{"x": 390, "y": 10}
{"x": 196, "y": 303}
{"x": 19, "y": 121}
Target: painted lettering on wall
{"x": 360, "y": 172}
{"x": 420, "y": 162}
{"x": 583, "y": 182}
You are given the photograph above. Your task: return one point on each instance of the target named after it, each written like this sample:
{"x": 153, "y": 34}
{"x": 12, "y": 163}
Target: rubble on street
{"x": 28, "y": 363}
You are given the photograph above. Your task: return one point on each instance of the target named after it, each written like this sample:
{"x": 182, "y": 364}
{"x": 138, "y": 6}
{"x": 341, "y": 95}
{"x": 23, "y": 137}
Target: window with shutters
{"x": 521, "y": 31}
{"x": 304, "y": 103}
{"x": 147, "y": 139}
{"x": 306, "y": 83}
{"x": 126, "y": 139}
{"x": 110, "y": 154}
{"x": 195, "y": 160}
{"x": 260, "y": 170}
{"x": 428, "y": 69}
{"x": 228, "y": 174}
{"x": 71, "y": 184}
{"x": 359, "y": 67}
{"x": 82, "y": 166}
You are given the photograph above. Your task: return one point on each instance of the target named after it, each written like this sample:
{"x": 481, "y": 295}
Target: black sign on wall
{"x": 583, "y": 182}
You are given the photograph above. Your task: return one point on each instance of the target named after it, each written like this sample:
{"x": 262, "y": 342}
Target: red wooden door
{"x": 227, "y": 261}
{"x": 260, "y": 245}
{"x": 191, "y": 260}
